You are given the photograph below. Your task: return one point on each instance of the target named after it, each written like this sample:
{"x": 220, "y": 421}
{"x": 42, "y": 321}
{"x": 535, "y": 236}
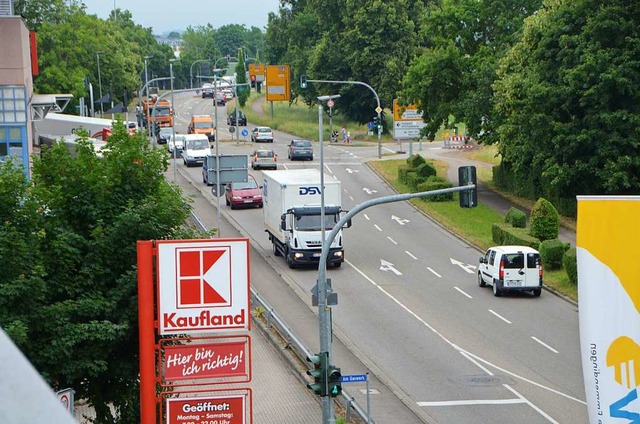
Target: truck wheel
{"x": 276, "y": 251}
{"x": 537, "y": 292}
{"x": 289, "y": 261}
{"x": 337, "y": 264}
{"x": 497, "y": 291}
{"x": 481, "y": 282}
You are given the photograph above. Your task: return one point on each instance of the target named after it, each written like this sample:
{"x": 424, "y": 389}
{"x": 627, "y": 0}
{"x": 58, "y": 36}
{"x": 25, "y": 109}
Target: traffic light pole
{"x": 303, "y": 84}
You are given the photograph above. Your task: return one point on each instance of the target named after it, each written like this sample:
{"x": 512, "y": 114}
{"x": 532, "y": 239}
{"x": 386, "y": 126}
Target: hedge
{"x": 506, "y": 235}
{"x": 516, "y": 218}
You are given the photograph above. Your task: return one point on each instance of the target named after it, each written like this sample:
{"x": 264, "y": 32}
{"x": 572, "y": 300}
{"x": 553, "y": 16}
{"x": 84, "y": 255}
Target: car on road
{"x": 511, "y": 268}
{"x": 176, "y": 145}
{"x": 242, "y": 119}
{"x": 163, "y": 135}
{"x": 262, "y": 134}
{"x": 264, "y": 159}
{"x": 196, "y": 148}
{"x": 207, "y": 90}
{"x": 300, "y": 149}
{"x": 243, "y": 194}
{"x": 221, "y": 99}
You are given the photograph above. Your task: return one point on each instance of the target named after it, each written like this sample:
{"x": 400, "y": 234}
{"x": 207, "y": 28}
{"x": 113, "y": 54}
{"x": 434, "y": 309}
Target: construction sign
{"x": 257, "y": 71}
{"x": 203, "y": 285}
{"x": 278, "y": 83}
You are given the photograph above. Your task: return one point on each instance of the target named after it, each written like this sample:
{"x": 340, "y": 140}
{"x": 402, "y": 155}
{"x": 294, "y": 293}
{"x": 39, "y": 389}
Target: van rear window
{"x": 533, "y": 260}
{"x": 514, "y": 260}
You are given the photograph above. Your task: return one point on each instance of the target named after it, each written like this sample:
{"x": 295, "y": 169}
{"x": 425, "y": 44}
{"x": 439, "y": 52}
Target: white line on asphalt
{"x": 462, "y": 351}
{"x": 473, "y": 402}
{"x": 366, "y": 217}
{"x": 461, "y": 291}
{"x": 352, "y": 199}
{"x": 500, "y": 316}
{"x": 389, "y": 150}
{"x": 434, "y": 273}
{"x": 544, "y": 344}
{"x": 376, "y": 225}
{"x": 392, "y": 240}
{"x": 540, "y": 411}
{"x": 410, "y": 254}
{"x": 328, "y": 169}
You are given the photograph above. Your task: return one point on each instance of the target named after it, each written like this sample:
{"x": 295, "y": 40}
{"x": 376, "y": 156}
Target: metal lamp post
{"x": 100, "y": 83}
{"x": 191, "y": 70}
{"x": 324, "y": 314}
{"x": 173, "y": 118}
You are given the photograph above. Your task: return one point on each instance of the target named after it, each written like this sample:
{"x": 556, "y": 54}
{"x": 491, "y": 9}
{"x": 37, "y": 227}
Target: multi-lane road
{"x": 410, "y": 304}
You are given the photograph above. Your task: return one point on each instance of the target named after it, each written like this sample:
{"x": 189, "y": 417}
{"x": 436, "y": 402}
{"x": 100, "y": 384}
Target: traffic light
{"x": 466, "y": 176}
{"x": 377, "y": 124}
{"x": 319, "y": 373}
{"x": 303, "y": 81}
{"x": 333, "y": 381}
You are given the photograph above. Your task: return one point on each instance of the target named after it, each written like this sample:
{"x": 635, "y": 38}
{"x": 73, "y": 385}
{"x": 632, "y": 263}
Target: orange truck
{"x": 164, "y": 112}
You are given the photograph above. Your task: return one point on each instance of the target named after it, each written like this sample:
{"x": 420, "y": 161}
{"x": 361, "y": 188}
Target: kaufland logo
{"x": 203, "y": 277}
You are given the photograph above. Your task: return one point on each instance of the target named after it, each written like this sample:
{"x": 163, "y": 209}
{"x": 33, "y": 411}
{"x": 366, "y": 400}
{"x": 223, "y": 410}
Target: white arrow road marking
{"x": 399, "y": 220}
{"x": 467, "y": 267}
{"x": 368, "y": 190}
{"x": 351, "y": 171}
{"x": 388, "y": 266}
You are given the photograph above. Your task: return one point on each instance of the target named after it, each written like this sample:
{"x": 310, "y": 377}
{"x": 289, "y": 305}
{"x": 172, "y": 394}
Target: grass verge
{"x": 473, "y": 225}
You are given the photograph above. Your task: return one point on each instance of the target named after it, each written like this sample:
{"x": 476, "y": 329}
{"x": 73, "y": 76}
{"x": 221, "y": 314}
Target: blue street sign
{"x": 355, "y": 378}
{"x": 245, "y": 132}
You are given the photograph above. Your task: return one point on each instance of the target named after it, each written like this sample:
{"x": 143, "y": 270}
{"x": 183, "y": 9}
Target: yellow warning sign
{"x": 278, "y": 83}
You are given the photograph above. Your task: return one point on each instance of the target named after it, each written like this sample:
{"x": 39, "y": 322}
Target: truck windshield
{"x": 313, "y": 223}
{"x": 204, "y": 125}
{"x": 163, "y": 111}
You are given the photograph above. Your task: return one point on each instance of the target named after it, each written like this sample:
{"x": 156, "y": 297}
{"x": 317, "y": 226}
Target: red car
{"x": 240, "y": 194}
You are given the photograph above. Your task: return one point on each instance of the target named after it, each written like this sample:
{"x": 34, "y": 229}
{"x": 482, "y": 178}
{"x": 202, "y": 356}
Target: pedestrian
{"x": 348, "y": 137}
{"x": 344, "y": 134}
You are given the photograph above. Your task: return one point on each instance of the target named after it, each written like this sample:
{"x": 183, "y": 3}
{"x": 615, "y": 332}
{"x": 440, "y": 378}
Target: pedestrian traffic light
{"x": 467, "y": 176}
{"x": 333, "y": 381}
{"x": 319, "y": 373}
{"x": 303, "y": 81}
{"x": 376, "y": 123}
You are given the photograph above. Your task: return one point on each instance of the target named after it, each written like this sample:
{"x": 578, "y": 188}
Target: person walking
{"x": 348, "y": 137}
{"x": 344, "y": 134}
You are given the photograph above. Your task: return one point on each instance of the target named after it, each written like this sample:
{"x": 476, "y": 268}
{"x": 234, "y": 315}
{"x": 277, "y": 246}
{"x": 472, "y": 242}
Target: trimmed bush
{"x": 415, "y": 160}
{"x": 402, "y": 173}
{"x": 551, "y": 253}
{"x": 435, "y": 183}
{"x": 504, "y": 234}
{"x": 413, "y": 180}
{"x": 516, "y": 218}
{"x": 570, "y": 263}
{"x": 425, "y": 170}
{"x": 544, "y": 220}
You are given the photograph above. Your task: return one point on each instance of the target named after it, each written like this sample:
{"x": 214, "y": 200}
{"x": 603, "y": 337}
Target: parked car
{"x": 163, "y": 135}
{"x": 264, "y": 159}
{"x": 511, "y": 268}
{"x": 300, "y": 149}
{"x": 177, "y": 145}
{"x": 262, "y": 134}
{"x": 207, "y": 90}
{"x": 239, "y": 194}
{"x": 242, "y": 119}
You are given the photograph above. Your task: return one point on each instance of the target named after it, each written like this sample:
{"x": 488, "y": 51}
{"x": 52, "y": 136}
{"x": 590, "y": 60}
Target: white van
{"x": 196, "y": 148}
{"x": 511, "y": 268}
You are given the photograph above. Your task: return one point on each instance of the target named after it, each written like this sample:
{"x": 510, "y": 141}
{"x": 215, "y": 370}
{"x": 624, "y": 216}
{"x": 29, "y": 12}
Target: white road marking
{"x": 389, "y": 150}
{"x": 328, "y": 169}
{"x": 472, "y": 357}
{"x": 433, "y": 272}
{"x": 467, "y": 267}
{"x": 352, "y": 199}
{"x": 461, "y": 291}
{"x": 410, "y": 254}
{"x": 399, "y": 220}
{"x": 500, "y": 316}
{"x": 392, "y": 240}
{"x": 376, "y": 225}
{"x": 388, "y": 266}
{"x": 366, "y": 216}
{"x": 351, "y": 171}
{"x": 368, "y": 190}
{"x": 473, "y": 402}
{"x": 544, "y": 344}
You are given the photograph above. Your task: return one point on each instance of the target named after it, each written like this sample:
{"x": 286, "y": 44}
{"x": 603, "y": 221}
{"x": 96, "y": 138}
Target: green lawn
{"x": 473, "y": 225}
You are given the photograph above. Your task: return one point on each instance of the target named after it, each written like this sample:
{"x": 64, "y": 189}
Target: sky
{"x": 165, "y": 16}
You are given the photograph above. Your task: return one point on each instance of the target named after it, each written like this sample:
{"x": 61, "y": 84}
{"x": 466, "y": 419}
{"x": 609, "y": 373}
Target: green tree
{"x": 241, "y": 78}
{"x": 80, "y": 328}
{"x": 568, "y": 103}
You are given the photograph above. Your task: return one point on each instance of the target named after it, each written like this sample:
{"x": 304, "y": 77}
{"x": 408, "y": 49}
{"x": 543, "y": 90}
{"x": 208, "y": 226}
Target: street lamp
{"x": 191, "y": 70}
{"x": 100, "y": 83}
{"x": 173, "y": 117}
{"x": 324, "y": 321}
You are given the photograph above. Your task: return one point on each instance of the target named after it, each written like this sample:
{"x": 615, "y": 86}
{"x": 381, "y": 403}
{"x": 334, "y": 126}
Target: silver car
{"x": 176, "y": 145}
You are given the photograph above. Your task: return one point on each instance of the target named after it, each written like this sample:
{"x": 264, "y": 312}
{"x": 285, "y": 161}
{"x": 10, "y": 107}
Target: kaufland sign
{"x": 203, "y": 285}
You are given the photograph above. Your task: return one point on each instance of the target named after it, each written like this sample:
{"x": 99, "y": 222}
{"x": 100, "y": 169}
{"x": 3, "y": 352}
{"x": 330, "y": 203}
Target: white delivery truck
{"x": 292, "y": 215}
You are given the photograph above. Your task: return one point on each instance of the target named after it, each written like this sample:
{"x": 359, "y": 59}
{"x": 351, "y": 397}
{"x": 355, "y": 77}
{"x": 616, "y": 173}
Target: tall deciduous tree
{"x": 568, "y": 103}
{"x": 72, "y": 234}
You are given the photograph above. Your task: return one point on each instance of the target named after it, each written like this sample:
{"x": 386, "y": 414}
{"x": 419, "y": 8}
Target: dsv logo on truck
{"x": 309, "y": 191}
{"x": 204, "y": 320}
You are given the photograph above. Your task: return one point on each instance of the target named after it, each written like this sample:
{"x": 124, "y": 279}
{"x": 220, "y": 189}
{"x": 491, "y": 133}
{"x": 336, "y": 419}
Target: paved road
{"x": 509, "y": 357}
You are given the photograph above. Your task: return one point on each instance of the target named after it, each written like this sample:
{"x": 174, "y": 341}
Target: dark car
{"x": 242, "y": 119}
{"x": 207, "y": 90}
{"x": 300, "y": 149}
{"x": 164, "y": 134}
{"x": 240, "y": 194}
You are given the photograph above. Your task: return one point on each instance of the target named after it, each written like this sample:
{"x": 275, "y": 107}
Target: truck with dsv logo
{"x": 292, "y": 215}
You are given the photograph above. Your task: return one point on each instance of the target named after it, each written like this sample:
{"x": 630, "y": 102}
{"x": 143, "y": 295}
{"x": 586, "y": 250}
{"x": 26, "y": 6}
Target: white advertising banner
{"x": 203, "y": 285}
{"x": 609, "y": 305}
